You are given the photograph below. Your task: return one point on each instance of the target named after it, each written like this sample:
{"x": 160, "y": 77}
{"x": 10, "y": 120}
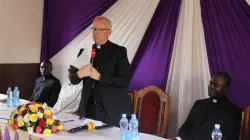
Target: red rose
{"x": 38, "y": 129}
{"x": 41, "y": 122}
{"x": 53, "y": 128}
{"x": 15, "y": 116}
{"x": 27, "y": 105}
{"x": 25, "y": 112}
{"x": 57, "y": 121}
{"x": 33, "y": 102}
{"x": 40, "y": 109}
{"x": 19, "y": 106}
{"x": 15, "y": 126}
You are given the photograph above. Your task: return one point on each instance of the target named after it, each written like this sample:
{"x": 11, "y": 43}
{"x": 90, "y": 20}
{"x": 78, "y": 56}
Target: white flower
{"x": 26, "y": 118}
{"x": 27, "y": 124}
{"x": 15, "y": 111}
{"x": 19, "y": 118}
{"x": 30, "y": 129}
{"x": 44, "y": 106}
{"x": 54, "y": 117}
{"x": 40, "y": 115}
{"x": 12, "y": 116}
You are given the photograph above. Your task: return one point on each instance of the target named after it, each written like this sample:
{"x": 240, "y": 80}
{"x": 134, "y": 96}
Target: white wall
{"x": 20, "y": 31}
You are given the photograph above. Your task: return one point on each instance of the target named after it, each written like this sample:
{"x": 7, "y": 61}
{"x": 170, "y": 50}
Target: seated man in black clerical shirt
{"x": 47, "y": 87}
{"x": 217, "y": 109}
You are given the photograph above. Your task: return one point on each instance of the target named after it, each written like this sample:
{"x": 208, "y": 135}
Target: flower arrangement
{"x": 34, "y": 117}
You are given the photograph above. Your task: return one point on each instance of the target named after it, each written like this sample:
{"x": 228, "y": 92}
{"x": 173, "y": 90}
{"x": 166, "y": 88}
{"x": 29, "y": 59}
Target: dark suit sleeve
{"x": 188, "y": 124}
{"x": 55, "y": 90}
{"x": 74, "y": 78}
{"x": 233, "y": 126}
{"x": 121, "y": 77}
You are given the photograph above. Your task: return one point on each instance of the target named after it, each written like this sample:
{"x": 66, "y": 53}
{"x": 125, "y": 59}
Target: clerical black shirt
{"x": 95, "y": 92}
{"x": 46, "y": 90}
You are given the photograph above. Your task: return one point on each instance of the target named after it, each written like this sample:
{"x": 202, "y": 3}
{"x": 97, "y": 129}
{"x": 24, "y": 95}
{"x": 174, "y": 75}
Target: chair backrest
{"x": 245, "y": 122}
{"x": 131, "y": 96}
{"x": 152, "y": 107}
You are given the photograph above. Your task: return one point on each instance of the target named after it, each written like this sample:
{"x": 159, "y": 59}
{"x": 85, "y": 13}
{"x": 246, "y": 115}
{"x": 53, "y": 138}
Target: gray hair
{"x": 106, "y": 19}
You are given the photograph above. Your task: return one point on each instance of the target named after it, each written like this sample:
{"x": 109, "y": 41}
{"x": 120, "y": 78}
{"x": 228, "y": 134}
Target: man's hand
{"x": 84, "y": 71}
{"x": 95, "y": 74}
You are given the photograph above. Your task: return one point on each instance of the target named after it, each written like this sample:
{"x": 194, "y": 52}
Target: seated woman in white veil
{"x": 70, "y": 94}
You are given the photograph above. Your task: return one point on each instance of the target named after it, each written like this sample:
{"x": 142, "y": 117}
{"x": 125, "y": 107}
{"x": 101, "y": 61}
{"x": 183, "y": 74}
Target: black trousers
{"x": 97, "y": 112}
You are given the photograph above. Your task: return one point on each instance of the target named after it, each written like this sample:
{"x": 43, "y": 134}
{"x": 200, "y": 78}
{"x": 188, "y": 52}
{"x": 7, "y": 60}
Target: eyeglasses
{"x": 98, "y": 29}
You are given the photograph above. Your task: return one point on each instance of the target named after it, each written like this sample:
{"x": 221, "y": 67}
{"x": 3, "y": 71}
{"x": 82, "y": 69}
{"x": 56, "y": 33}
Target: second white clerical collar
{"x": 98, "y": 47}
{"x": 214, "y": 100}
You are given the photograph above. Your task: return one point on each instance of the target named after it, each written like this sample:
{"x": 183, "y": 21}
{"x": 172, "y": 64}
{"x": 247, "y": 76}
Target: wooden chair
{"x": 245, "y": 122}
{"x": 152, "y": 107}
{"x": 132, "y": 99}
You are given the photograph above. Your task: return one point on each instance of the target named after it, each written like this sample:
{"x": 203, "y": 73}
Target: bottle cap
{"x": 133, "y": 116}
{"x": 124, "y": 115}
{"x": 217, "y": 126}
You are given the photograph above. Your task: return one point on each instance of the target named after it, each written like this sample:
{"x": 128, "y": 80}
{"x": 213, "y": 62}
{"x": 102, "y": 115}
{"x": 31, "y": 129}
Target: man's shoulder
{"x": 201, "y": 101}
{"x": 39, "y": 78}
{"x": 55, "y": 79}
{"x": 116, "y": 46}
{"x": 233, "y": 107}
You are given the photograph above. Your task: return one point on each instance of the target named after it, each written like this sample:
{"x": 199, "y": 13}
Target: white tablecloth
{"x": 105, "y": 134}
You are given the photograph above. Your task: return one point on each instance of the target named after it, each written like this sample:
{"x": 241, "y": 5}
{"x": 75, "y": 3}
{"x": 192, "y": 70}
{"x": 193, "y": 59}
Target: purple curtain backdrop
{"x": 151, "y": 63}
{"x": 227, "y": 33}
{"x": 64, "y": 20}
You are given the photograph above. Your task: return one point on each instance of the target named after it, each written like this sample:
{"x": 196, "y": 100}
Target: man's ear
{"x": 109, "y": 32}
{"x": 226, "y": 89}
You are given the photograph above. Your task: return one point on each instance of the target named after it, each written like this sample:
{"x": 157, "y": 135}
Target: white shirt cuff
{"x": 178, "y": 138}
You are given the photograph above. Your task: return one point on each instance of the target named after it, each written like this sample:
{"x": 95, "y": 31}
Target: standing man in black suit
{"x": 105, "y": 82}
{"x": 215, "y": 110}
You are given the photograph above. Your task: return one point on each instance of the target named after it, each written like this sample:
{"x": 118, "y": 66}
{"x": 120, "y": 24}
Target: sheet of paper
{"x": 72, "y": 121}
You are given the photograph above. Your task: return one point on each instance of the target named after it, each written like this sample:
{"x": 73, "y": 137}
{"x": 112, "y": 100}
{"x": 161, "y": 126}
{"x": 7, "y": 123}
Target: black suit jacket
{"x": 114, "y": 80}
{"x": 201, "y": 120}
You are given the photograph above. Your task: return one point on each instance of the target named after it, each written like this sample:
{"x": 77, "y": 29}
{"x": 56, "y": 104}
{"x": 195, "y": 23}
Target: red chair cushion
{"x": 149, "y": 113}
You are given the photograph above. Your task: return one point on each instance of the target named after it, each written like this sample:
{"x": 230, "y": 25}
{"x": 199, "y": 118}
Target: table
{"x": 106, "y": 134}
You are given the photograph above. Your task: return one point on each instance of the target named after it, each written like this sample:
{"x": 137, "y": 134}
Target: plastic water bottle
{"x": 123, "y": 126}
{"x": 216, "y": 133}
{"x": 16, "y": 94}
{"x": 133, "y": 128}
{"x": 9, "y": 97}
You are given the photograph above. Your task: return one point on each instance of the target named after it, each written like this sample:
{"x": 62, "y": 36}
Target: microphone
{"x": 80, "y": 52}
{"x": 93, "y": 54}
{"x": 88, "y": 126}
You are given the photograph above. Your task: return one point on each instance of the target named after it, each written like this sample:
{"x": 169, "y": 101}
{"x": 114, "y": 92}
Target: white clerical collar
{"x": 98, "y": 47}
{"x": 215, "y": 101}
